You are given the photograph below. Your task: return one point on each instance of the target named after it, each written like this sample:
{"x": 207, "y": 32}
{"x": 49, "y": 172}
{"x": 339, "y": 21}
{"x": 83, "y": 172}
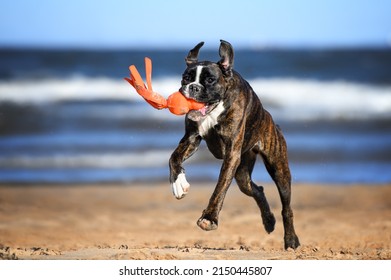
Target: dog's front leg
{"x": 209, "y": 218}
{"x": 186, "y": 148}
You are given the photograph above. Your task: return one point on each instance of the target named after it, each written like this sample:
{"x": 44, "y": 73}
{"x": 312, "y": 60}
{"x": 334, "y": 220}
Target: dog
{"x": 236, "y": 128}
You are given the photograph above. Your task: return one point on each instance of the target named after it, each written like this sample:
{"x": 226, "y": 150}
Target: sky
{"x": 178, "y": 24}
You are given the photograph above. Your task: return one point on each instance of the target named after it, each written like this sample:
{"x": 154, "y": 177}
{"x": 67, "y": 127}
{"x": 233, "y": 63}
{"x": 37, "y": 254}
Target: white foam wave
{"x": 154, "y": 158}
{"x": 286, "y": 98}
{"x": 78, "y": 88}
{"x": 308, "y": 99}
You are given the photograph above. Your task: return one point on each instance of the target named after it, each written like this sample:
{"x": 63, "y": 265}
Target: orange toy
{"x": 176, "y": 102}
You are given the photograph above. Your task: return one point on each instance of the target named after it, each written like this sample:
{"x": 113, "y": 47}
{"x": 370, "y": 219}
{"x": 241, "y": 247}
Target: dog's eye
{"x": 210, "y": 80}
{"x": 186, "y": 78}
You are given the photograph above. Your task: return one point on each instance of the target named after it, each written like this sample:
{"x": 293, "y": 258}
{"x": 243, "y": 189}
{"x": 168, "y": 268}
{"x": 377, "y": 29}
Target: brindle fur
{"x": 244, "y": 130}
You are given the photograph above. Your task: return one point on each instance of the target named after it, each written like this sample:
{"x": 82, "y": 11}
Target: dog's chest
{"x": 211, "y": 120}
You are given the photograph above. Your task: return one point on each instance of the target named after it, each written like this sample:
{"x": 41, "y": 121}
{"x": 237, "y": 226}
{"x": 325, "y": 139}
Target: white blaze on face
{"x": 196, "y": 82}
{"x": 198, "y": 74}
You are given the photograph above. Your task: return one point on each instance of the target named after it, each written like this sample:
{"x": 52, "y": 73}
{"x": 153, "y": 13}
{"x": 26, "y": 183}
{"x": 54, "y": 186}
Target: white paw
{"x": 180, "y": 187}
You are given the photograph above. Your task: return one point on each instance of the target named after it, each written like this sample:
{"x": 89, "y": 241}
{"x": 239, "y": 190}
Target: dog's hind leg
{"x": 247, "y": 186}
{"x": 276, "y": 161}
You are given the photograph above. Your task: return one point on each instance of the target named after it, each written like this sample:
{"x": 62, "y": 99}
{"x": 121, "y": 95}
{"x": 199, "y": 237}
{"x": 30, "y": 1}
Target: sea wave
{"x": 310, "y": 99}
{"x": 286, "y": 98}
{"x": 150, "y": 159}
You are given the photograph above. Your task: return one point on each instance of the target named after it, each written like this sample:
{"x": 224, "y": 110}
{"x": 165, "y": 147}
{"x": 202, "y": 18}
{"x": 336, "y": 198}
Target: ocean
{"x": 67, "y": 116}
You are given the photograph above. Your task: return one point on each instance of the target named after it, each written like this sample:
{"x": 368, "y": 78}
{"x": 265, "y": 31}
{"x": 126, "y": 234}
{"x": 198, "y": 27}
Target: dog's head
{"x": 207, "y": 81}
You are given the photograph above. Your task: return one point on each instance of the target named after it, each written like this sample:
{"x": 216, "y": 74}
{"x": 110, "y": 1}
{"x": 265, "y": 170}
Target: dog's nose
{"x": 194, "y": 88}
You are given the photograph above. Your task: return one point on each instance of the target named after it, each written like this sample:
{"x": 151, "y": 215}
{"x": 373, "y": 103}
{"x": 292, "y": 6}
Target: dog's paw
{"x": 206, "y": 224}
{"x": 269, "y": 222}
{"x": 291, "y": 241}
{"x": 180, "y": 187}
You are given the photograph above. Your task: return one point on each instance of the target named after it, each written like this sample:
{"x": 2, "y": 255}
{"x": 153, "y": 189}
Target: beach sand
{"x": 146, "y": 222}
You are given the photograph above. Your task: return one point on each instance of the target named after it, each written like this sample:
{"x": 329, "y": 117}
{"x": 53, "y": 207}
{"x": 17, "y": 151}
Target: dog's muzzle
{"x": 194, "y": 89}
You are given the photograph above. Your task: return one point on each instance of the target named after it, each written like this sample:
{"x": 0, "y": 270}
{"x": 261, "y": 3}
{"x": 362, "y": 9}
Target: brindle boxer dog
{"x": 236, "y": 129}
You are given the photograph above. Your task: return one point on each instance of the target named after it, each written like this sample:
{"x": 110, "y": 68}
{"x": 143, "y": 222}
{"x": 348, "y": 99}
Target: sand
{"x": 146, "y": 222}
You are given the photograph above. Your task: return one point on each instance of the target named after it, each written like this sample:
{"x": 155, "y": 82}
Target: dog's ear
{"x": 192, "y": 57}
{"x": 226, "y": 62}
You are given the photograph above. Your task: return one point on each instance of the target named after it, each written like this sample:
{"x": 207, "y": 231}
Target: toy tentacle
{"x": 176, "y": 102}
{"x": 136, "y": 78}
{"x": 153, "y": 98}
{"x": 148, "y": 72}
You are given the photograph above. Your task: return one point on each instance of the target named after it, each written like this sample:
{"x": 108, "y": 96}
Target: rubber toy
{"x": 176, "y": 102}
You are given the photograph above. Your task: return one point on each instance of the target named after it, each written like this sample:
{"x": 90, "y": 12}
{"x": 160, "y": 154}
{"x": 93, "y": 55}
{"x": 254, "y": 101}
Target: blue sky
{"x": 175, "y": 23}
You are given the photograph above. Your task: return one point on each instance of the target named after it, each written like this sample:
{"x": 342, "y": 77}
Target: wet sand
{"x": 146, "y": 222}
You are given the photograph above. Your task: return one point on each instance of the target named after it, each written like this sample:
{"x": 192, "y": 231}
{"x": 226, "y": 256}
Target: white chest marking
{"x": 210, "y": 120}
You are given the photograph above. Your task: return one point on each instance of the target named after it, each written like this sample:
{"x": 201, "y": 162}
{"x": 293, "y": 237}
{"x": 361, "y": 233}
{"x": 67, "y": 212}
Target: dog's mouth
{"x": 197, "y": 115}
